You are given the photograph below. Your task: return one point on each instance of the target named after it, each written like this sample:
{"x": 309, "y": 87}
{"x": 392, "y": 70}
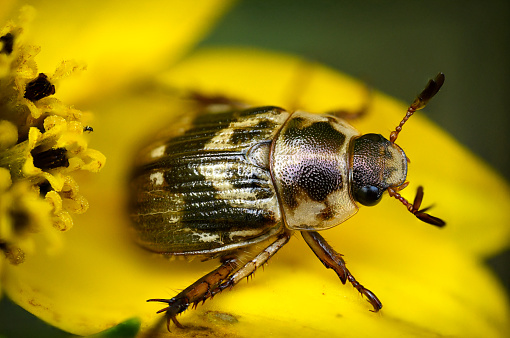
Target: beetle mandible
{"x": 220, "y": 182}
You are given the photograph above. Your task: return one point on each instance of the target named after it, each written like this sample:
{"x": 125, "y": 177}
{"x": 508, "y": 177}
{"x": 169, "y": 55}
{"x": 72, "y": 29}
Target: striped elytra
{"x": 204, "y": 190}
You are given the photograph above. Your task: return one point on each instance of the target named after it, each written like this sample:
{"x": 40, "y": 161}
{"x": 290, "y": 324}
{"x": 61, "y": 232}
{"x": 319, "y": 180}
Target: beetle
{"x": 215, "y": 184}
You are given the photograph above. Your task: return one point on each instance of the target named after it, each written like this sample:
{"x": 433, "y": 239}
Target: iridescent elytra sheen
{"x": 205, "y": 190}
{"x": 217, "y": 182}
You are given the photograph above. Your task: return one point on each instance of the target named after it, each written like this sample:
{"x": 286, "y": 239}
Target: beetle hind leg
{"x": 228, "y": 274}
{"x": 198, "y": 291}
{"x": 333, "y": 260}
{"x": 249, "y": 268}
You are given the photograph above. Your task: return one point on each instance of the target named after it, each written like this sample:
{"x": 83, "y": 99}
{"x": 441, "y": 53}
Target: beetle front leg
{"x": 333, "y": 260}
{"x": 198, "y": 291}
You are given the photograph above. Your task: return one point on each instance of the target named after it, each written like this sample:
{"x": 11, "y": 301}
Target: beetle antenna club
{"x": 420, "y": 102}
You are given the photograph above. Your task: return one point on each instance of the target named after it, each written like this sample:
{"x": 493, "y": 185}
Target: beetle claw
{"x": 175, "y": 321}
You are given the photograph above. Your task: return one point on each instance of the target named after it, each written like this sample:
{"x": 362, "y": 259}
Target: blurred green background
{"x": 395, "y": 46}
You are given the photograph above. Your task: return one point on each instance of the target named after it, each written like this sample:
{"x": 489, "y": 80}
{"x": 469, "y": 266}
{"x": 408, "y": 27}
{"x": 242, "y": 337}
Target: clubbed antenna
{"x": 415, "y": 207}
{"x": 420, "y": 102}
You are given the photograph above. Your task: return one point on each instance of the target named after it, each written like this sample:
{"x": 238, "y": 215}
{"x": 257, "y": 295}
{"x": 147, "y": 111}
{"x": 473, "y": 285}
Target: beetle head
{"x": 378, "y": 164}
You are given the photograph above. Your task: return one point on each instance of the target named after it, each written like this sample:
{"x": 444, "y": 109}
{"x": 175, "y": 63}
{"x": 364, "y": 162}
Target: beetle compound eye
{"x": 368, "y": 195}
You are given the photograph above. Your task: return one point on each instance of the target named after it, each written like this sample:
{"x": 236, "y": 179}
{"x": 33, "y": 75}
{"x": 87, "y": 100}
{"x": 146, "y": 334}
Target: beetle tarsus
{"x": 333, "y": 260}
{"x": 175, "y": 306}
{"x": 196, "y": 292}
{"x": 369, "y": 295}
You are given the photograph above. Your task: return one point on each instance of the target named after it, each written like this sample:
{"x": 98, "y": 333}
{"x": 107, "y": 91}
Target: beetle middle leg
{"x": 333, "y": 260}
{"x": 225, "y": 276}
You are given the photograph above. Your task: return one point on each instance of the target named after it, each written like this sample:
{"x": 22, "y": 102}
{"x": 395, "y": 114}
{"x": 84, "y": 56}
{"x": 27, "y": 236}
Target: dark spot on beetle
{"x": 387, "y": 154}
{"x": 318, "y": 180}
{"x": 289, "y": 195}
{"x": 314, "y": 176}
{"x": 252, "y": 133}
{"x": 295, "y": 123}
{"x": 221, "y": 215}
{"x": 242, "y": 135}
{"x": 265, "y": 124}
{"x": 326, "y": 214}
{"x": 319, "y": 136}
{"x": 44, "y": 188}
{"x": 39, "y": 88}
{"x": 50, "y": 159}
{"x": 7, "y": 43}
{"x": 88, "y": 129}
{"x": 181, "y": 175}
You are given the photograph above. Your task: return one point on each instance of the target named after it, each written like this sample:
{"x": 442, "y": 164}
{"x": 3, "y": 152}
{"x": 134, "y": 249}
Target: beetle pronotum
{"x": 217, "y": 183}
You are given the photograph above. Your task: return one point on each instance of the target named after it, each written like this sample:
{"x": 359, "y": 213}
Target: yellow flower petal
{"x": 99, "y": 279}
{"x": 9, "y": 134}
{"x": 121, "y": 42}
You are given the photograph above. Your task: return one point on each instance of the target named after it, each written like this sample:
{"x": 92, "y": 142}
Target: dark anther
{"x": 88, "y": 129}
{"x": 50, "y": 159}
{"x": 14, "y": 255}
{"x": 8, "y": 43}
{"x": 20, "y": 220}
{"x": 39, "y": 88}
{"x": 44, "y": 188}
